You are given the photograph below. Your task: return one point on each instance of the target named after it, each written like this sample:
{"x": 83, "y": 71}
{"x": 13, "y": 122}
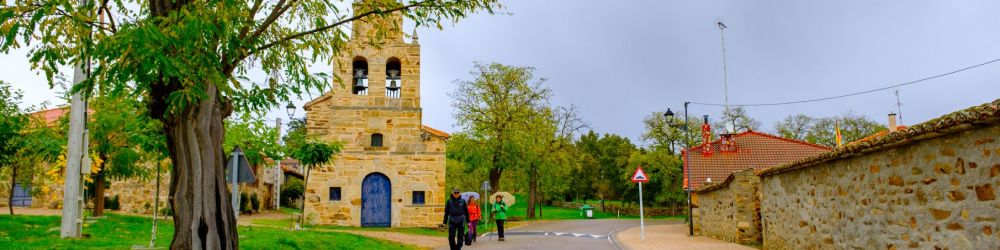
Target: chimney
{"x": 892, "y": 122}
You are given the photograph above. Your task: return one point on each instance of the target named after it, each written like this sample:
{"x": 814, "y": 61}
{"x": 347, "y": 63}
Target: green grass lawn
{"x": 122, "y": 232}
{"x": 284, "y": 223}
{"x": 519, "y": 209}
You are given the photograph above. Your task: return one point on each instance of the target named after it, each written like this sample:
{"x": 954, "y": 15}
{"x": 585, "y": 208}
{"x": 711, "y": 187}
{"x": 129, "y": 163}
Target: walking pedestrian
{"x": 474, "y": 216}
{"x": 456, "y": 215}
{"x": 500, "y": 215}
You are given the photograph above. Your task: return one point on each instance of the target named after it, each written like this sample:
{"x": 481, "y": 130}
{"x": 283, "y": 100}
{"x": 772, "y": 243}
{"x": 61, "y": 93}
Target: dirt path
{"x": 32, "y": 211}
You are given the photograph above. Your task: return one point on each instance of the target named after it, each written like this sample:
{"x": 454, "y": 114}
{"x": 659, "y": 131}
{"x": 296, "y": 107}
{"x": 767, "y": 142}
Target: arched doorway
{"x": 376, "y": 201}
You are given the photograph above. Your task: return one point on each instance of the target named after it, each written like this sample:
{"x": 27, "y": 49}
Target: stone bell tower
{"x": 391, "y": 170}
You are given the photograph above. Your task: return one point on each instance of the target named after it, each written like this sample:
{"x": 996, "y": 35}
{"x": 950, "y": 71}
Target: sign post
{"x": 640, "y": 177}
{"x": 238, "y": 171}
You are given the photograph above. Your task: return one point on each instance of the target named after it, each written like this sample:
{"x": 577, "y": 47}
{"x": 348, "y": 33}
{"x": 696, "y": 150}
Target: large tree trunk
{"x": 203, "y": 215}
{"x": 495, "y": 170}
{"x": 99, "y": 193}
{"x": 532, "y": 190}
{"x": 13, "y": 181}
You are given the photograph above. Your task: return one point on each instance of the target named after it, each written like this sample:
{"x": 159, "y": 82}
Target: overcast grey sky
{"x": 618, "y": 61}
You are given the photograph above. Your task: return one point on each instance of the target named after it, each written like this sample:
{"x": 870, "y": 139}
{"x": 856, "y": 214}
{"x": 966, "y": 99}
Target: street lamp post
{"x": 687, "y": 176}
{"x": 290, "y": 109}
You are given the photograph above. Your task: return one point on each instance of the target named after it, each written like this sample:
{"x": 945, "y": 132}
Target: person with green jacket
{"x": 500, "y": 215}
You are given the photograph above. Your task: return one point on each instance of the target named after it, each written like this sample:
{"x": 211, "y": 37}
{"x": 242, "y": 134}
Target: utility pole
{"x": 687, "y": 174}
{"x": 77, "y": 162}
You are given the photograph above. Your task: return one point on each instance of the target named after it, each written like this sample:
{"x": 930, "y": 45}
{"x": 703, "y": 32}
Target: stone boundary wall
{"x": 135, "y": 195}
{"x": 730, "y": 210}
{"x": 933, "y": 187}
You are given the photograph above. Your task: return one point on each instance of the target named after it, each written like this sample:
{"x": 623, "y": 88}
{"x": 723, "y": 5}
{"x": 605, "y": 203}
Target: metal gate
{"x": 22, "y": 198}
{"x": 376, "y": 201}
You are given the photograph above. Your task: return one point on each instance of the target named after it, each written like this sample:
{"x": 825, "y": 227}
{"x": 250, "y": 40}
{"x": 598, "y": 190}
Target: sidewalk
{"x": 666, "y": 237}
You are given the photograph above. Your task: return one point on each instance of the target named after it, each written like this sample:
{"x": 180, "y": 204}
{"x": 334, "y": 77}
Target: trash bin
{"x": 587, "y": 211}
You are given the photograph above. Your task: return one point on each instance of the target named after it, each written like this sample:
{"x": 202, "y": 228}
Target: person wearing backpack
{"x": 500, "y": 215}
{"x": 456, "y": 216}
{"x": 474, "y": 216}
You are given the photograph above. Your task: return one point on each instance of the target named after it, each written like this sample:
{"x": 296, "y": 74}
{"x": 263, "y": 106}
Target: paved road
{"x": 567, "y": 234}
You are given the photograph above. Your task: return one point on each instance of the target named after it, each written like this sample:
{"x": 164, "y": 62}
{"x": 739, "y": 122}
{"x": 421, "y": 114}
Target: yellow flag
{"x": 840, "y": 139}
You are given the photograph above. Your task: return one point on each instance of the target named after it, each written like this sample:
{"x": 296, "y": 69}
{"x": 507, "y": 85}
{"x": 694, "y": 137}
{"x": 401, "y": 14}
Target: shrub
{"x": 112, "y": 203}
{"x": 167, "y": 211}
{"x": 254, "y": 203}
{"x": 244, "y": 203}
{"x": 290, "y": 191}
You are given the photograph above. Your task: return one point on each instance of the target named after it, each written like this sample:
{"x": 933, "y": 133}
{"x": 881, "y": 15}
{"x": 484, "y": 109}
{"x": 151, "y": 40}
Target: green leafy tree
{"x": 463, "y": 155}
{"x": 124, "y": 137}
{"x": 852, "y": 128}
{"x": 493, "y": 108}
{"x": 606, "y": 160}
{"x": 296, "y": 135}
{"x": 795, "y": 126}
{"x": 665, "y": 177}
{"x": 550, "y": 134}
{"x": 189, "y": 62}
{"x": 26, "y": 142}
{"x": 312, "y": 155}
{"x": 13, "y": 122}
{"x": 587, "y": 183}
{"x": 291, "y": 190}
{"x": 664, "y": 132}
{"x": 736, "y": 118}
{"x": 254, "y": 136}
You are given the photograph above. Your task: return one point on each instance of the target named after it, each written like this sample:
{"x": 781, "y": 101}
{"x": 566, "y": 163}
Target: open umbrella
{"x": 466, "y": 195}
{"x": 507, "y": 198}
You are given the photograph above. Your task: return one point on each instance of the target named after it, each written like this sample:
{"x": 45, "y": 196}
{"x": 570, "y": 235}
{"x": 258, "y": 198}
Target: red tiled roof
{"x": 753, "y": 150}
{"x": 436, "y": 132}
{"x": 51, "y": 116}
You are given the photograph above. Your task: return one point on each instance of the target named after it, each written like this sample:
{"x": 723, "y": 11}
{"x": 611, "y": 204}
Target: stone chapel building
{"x": 391, "y": 172}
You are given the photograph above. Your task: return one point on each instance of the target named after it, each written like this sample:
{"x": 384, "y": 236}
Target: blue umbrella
{"x": 466, "y": 195}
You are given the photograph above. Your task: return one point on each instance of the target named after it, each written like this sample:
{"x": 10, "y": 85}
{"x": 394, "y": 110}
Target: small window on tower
{"x": 359, "y": 71}
{"x": 376, "y": 140}
{"x": 418, "y": 197}
{"x": 393, "y": 77}
{"x": 334, "y": 193}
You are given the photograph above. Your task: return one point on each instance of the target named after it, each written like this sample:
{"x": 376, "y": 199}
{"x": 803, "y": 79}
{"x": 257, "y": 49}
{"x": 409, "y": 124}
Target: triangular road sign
{"x": 639, "y": 176}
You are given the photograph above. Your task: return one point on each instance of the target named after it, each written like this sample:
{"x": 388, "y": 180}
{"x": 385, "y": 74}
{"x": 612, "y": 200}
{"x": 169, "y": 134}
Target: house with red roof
{"x": 715, "y": 161}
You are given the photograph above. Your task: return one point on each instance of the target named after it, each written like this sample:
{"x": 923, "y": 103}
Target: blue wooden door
{"x": 22, "y": 198}
{"x": 376, "y": 201}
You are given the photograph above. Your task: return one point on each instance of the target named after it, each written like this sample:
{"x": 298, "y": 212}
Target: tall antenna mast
{"x": 725, "y": 70}
{"x": 899, "y": 108}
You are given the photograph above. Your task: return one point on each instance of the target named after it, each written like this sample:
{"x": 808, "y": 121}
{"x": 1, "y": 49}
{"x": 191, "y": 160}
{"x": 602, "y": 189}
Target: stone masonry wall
{"x": 730, "y": 212}
{"x": 939, "y": 193}
{"x": 136, "y": 195}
